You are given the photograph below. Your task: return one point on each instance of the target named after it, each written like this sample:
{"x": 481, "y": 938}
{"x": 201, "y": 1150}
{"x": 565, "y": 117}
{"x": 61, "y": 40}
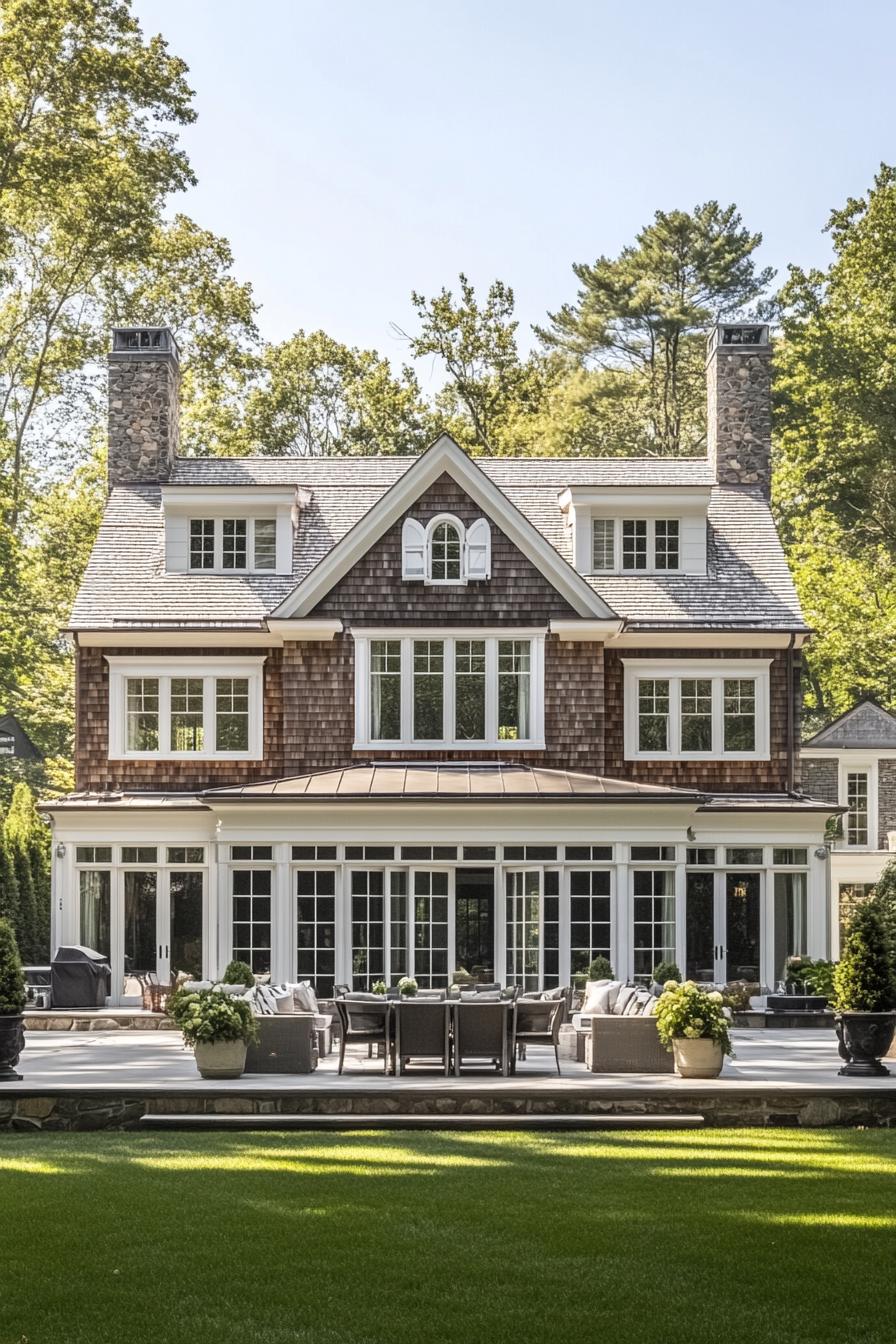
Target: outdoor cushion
{"x": 305, "y": 997}
{"x": 489, "y": 996}
{"x": 625, "y": 995}
{"x": 592, "y": 991}
{"x": 263, "y": 1001}
{"x": 635, "y": 1005}
{"x": 649, "y": 1008}
{"x": 553, "y": 994}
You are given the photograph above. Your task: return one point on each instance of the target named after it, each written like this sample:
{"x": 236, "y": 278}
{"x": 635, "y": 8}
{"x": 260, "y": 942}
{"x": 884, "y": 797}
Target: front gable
{"x": 866, "y": 726}
{"x": 463, "y": 489}
{"x": 373, "y": 592}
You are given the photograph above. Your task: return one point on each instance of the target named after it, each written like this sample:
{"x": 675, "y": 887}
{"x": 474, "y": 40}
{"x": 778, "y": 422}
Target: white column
{"x": 283, "y": 936}
{"x": 623, "y": 961}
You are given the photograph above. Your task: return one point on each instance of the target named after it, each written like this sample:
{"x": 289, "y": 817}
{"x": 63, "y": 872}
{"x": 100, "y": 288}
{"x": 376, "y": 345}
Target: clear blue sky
{"x": 354, "y": 150}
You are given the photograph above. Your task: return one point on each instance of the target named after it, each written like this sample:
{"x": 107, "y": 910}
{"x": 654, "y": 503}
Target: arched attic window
{"x": 444, "y": 551}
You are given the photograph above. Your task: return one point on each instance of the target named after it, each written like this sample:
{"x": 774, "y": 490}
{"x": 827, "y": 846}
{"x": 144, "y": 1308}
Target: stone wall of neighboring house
{"x": 886, "y": 801}
{"x": 821, "y": 778}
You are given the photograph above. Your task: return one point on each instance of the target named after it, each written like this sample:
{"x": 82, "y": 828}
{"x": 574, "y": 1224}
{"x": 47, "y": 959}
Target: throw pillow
{"x": 305, "y": 997}
{"x": 263, "y": 1000}
{"x": 635, "y": 1005}
{"x": 623, "y": 998}
{"x": 649, "y": 1009}
{"x": 592, "y": 990}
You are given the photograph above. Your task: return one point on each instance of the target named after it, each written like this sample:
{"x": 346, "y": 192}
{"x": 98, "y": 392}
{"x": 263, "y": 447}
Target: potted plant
{"x": 407, "y": 987}
{"x": 379, "y": 987}
{"x": 692, "y": 1023}
{"x": 12, "y": 1004}
{"x": 865, "y": 996}
{"x": 237, "y": 978}
{"x": 219, "y": 1028}
{"x": 600, "y": 969}
{"x": 663, "y": 971}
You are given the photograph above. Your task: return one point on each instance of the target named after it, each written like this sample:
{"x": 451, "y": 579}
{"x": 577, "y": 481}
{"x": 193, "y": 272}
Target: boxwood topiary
{"x": 863, "y": 978}
{"x": 600, "y": 969}
{"x": 238, "y": 973}
{"x": 12, "y": 977}
{"x": 666, "y": 970}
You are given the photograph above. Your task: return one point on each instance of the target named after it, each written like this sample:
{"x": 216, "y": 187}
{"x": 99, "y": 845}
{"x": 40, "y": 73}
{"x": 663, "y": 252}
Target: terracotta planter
{"x": 220, "y": 1059}
{"x": 702, "y": 1058}
{"x": 12, "y": 1043}
{"x": 862, "y": 1041}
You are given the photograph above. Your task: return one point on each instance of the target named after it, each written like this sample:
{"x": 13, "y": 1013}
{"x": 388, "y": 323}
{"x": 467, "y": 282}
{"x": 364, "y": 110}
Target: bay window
{"x": 684, "y": 710}
{"x": 183, "y": 708}
{"x": 432, "y": 689}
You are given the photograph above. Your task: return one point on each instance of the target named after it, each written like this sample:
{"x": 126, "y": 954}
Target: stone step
{"x": 225, "y": 1121}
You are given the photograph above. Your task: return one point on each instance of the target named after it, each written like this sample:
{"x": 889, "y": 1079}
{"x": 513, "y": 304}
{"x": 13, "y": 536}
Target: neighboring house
{"x": 352, "y": 718}
{"x": 14, "y": 741}
{"x": 852, "y": 762}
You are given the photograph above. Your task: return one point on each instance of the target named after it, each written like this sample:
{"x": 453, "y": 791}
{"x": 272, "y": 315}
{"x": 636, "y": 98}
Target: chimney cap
{"x": 743, "y": 335}
{"x": 145, "y": 341}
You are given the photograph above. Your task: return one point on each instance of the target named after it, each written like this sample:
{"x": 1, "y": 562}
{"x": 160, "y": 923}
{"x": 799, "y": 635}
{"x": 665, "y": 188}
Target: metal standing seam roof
{"x": 492, "y": 781}
{"x": 748, "y": 583}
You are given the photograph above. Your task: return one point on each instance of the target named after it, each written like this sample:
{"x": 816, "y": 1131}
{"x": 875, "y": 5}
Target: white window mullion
{"x": 651, "y": 545}
{"x": 250, "y": 545}
{"x": 208, "y": 716}
{"x": 165, "y": 714}
{"x": 219, "y": 543}
{"x": 718, "y": 715}
{"x": 491, "y": 690}
{"x": 674, "y": 716}
{"x": 448, "y": 690}
{"x": 407, "y": 689}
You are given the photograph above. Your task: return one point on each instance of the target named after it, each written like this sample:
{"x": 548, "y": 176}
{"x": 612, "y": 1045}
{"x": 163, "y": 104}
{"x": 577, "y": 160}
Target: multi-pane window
{"x": 233, "y": 543}
{"x": 740, "y": 714}
{"x": 603, "y": 543}
{"x": 431, "y": 928}
{"x": 590, "y": 921}
{"x": 142, "y": 713}
{"x": 653, "y": 715}
{"x": 634, "y": 543}
{"x": 385, "y": 690}
{"x": 398, "y": 926}
{"x": 95, "y": 910}
{"x": 696, "y": 714}
{"x": 523, "y": 929}
{"x": 232, "y": 714}
{"x": 265, "y": 543}
{"x": 429, "y": 665}
{"x": 791, "y": 913}
{"x": 187, "y": 714}
{"x": 857, "y": 803}
{"x": 666, "y": 543}
{"x": 316, "y": 928}
{"x": 484, "y": 691}
{"x": 514, "y": 689}
{"x": 202, "y": 543}
{"x": 252, "y": 918}
{"x": 653, "y": 919}
{"x": 368, "y": 927}
{"x": 469, "y": 690}
{"x": 680, "y": 711}
{"x": 550, "y": 930}
{"x": 185, "y": 711}
{"x": 445, "y": 556}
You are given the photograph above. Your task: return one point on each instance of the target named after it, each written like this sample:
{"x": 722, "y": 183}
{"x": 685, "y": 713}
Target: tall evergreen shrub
{"x": 864, "y": 979}
{"x": 12, "y": 977}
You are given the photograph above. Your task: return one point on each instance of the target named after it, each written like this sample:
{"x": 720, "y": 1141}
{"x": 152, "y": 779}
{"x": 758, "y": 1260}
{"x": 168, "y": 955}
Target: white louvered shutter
{"x": 413, "y": 550}
{"x": 478, "y": 549}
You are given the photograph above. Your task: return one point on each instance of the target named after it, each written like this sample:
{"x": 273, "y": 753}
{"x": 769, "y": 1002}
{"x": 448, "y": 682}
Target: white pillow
{"x": 649, "y": 1008}
{"x": 592, "y": 989}
{"x": 635, "y": 1005}
{"x": 305, "y": 997}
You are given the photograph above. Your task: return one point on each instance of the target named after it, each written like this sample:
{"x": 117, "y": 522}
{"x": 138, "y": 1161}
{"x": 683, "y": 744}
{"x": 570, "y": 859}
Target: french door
{"x": 402, "y": 923}
{"x": 723, "y": 926}
{"x": 532, "y": 927}
{"x": 161, "y": 927}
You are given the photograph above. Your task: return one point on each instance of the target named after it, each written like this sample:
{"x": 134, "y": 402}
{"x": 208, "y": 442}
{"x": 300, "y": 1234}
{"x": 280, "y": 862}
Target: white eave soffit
{"x": 444, "y": 456}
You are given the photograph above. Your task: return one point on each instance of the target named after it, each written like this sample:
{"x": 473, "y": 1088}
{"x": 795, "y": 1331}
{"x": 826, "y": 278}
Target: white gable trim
{"x": 444, "y": 456}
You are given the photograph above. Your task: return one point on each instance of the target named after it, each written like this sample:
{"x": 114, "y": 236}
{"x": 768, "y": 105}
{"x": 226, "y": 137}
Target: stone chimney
{"x": 739, "y": 404}
{"x": 144, "y": 405}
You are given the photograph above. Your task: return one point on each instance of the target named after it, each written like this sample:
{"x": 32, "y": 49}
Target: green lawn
{"x": 723, "y": 1236}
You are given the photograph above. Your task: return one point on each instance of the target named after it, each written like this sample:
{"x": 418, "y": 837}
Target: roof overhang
{"x": 444, "y": 457}
{"x": 690, "y": 498}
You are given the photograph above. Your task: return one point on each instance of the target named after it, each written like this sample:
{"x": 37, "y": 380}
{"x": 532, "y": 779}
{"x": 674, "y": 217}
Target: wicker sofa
{"x": 287, "y": 1043}
{"x": 617, "y": 1027}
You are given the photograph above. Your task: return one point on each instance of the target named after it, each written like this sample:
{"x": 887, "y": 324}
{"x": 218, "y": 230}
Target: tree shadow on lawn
{"x": 499, "y": 1237}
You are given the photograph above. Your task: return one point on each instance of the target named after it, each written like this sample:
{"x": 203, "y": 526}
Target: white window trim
{"x": 458, "y": 526}
{"x": 363, "y": 740}
{"x": 121, "y": 668}
{"x": 860, "y": 765}
{"x": 618, "y": 521}
{"x": 716, "y": 670}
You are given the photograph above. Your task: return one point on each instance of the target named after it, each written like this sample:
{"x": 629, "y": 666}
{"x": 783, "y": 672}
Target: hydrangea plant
{"x": 407, "y": 986}
{"x": 207, "y": 1015}
{"x": 692, "y": 1012}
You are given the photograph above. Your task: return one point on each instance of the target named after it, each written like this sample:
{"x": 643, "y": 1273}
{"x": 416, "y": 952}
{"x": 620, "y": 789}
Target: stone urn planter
{"x": 12, "y": 1043}
{"x": 220, "y": 1059}
{"x": 700, "y": 1058}
{"x": 862, "y": 1041}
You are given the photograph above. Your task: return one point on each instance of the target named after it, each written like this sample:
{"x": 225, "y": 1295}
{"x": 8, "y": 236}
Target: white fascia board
{"x": 720, "y": 667}
{"x": 124, "y": 637}
{"x": 302, "y": 630}
{"x": 704, "y": 639}
{"x": 222, "y": 499}
{"x": 859, "y": 757}
{"x": 148, "y": 668}
{"x": 610, "y": 499}
{"x": 585, "y": 632}
{"x": 443, "y": 456}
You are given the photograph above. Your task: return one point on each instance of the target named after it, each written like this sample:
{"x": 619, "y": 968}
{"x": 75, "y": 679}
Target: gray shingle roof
{"x": 747, "y": 585}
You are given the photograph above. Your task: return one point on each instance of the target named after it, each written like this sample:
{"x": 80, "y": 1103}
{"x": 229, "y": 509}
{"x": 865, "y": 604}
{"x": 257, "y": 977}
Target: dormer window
{"x": 635, "y": 545}
{"x": 444, "y": 551}
{"x": 241, "y": 544}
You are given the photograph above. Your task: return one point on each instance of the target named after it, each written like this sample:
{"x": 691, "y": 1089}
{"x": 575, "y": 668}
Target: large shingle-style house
{"x": 352, "y": 718}
{"x": 852, "y": 762}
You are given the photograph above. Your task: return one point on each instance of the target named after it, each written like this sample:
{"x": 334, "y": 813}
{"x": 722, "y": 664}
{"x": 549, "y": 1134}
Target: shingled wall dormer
{"x": 144, "y": 405}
